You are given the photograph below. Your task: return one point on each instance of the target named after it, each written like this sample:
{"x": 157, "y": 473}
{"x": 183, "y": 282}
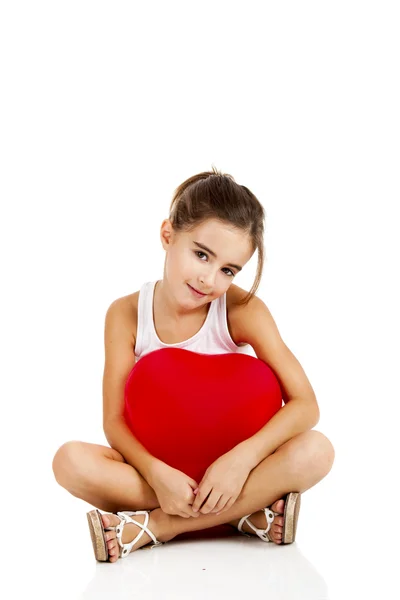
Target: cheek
{"x": 185, "y": 262}
{"x": 179, "y": 266}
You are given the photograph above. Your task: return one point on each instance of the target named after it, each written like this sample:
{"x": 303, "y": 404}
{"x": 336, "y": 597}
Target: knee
{"x": 314, "y": 451}
{"x": 67, "y": 462}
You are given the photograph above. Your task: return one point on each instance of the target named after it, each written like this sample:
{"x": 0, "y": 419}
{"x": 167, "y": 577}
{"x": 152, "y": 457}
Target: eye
{"x": 197, "y": 252}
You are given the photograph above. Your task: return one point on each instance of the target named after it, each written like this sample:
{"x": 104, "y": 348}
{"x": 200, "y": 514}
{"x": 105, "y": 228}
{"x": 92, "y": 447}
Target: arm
{"x": 292, "y": 419}
{"x": 119, "y": 348}
{"x": 120, "y": 437}
{"x": 254, "y": 323}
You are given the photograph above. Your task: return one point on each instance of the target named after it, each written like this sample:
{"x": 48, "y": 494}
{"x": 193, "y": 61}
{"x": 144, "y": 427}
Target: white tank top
{"x": 212, "y": 338}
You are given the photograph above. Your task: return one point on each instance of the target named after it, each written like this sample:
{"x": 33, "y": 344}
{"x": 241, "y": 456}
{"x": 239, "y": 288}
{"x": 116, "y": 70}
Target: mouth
{"x": 196, "y": 291}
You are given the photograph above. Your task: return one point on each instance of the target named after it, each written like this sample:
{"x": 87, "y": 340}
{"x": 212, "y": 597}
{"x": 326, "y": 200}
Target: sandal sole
{"x": 291, "y": 515}
{"x": 97, "y": 534}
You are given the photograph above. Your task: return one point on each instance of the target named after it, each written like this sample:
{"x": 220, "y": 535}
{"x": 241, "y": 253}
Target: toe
{"x": 277, "y": 526}
{"x": 278, "y": 506}
{"x": 110, "y": 520}
{"x": 110, "y": 535}
{"x": 113, "y": 551}
{"x": 276, "y": 533}
{"x": 106, "y": 520}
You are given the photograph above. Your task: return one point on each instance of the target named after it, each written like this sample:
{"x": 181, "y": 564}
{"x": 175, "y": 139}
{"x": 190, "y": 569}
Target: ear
{"x": 166, "y": 233}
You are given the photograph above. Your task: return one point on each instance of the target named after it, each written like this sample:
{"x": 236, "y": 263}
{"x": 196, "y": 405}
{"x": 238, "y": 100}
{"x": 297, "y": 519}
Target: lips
{"x": 196, "y": 290}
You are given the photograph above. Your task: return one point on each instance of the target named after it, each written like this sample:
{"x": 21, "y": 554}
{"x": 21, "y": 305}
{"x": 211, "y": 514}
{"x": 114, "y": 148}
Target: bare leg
{"x": 295, "y": 466}
{"x": 100, "y": 476}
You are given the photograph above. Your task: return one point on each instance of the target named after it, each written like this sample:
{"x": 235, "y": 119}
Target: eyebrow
{"x": 214, "y": 255}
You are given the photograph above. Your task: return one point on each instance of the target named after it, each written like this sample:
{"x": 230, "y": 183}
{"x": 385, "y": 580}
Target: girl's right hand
{"x": 174, "y": 490}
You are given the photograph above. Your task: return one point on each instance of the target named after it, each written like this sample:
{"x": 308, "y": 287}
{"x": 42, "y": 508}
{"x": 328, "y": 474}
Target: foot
{"x": 259, "y": 520}
{"x": 157, "y": 525}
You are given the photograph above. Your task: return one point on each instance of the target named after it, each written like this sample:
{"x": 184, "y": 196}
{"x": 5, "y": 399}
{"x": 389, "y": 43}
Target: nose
{"x": 207, "y": 281}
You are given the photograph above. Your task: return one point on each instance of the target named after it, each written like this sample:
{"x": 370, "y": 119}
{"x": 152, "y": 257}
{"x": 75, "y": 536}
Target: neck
{"x": 170, "y": 309}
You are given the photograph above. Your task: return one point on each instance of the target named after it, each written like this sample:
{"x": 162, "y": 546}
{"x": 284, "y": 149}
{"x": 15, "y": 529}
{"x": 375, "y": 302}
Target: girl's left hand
{"x": 225, "y": 479}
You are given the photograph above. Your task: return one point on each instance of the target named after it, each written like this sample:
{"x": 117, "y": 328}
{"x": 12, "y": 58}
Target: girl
{"x": 242, "y": 460}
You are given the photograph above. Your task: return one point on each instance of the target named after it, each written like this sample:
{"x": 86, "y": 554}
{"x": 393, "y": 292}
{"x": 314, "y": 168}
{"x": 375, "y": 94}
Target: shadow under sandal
{"x": 97, "y": 530}
{"x": 290, "y": 516}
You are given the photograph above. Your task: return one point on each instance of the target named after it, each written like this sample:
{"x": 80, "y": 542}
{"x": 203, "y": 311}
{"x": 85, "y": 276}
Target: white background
{"x": 106, "y": 107}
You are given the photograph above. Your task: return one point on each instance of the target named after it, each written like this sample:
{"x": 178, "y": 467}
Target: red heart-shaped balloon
{"x": 188, "y": 408}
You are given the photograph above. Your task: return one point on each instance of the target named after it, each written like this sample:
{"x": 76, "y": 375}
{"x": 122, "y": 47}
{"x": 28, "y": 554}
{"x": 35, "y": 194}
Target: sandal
{"x": 290, "y": 515}
{"x": 97, "y": 530}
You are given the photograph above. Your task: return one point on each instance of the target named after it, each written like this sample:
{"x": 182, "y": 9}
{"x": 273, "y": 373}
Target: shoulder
{"x": 234, "y": 294}
{"x": 255, "y": 325}
{"x": 253, "y": 322}
{"x": 123, "y": 311}
{"x": 237, "y": 314}
{"x": 126, "y": 305}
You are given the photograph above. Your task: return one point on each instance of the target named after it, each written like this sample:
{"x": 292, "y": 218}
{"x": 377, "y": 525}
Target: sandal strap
{"x": 125, "y": 518}
{"x": 262, "y": 533}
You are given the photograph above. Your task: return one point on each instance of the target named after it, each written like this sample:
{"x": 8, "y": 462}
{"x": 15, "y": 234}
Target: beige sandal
{"x": 97, "y": 530}
{"x": 290, "y": 516}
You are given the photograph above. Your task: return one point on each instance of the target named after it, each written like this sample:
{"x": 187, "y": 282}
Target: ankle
{"x": 166, "y": 529}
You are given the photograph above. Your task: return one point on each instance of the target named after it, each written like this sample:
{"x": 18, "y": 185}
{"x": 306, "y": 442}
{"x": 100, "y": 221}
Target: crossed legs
{"x": 101, "y": 477}
{"x": 295, "y": 466}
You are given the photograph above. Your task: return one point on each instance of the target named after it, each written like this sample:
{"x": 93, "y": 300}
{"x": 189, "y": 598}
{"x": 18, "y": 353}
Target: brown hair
{"x": 216, "y": 195}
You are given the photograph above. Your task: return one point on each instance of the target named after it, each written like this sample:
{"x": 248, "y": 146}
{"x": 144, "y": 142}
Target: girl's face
{"x": 187, "y": 263}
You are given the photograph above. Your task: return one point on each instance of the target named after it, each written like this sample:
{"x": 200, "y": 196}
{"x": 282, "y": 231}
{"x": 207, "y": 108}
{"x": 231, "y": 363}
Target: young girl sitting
{"x": 197, "y": 431}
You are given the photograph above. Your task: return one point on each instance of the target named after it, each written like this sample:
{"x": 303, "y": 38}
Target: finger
{"x": 182, "y": 514}
{"x": 196, "y": 491}
{"x": 228, "y": 505}
{"x": 211, "y": 502}
{"x": 221, "y": 503}
{"x": 200, "y": 497}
